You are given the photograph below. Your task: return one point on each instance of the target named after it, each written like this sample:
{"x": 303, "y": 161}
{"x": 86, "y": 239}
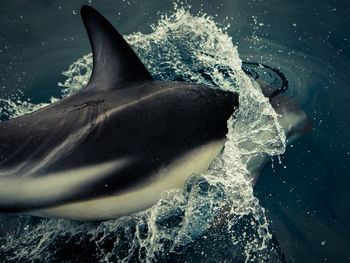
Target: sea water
{"x": 216, "y": 216}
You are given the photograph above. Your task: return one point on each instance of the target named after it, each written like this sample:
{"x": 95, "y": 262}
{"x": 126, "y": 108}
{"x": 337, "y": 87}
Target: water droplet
{"x": 74, "y": 12}
{"x": 279, "y": 159}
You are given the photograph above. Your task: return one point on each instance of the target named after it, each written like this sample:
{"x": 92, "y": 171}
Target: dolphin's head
{"x": 291, "y": 117}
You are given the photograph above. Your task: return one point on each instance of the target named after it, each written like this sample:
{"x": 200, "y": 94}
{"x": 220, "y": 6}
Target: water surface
{"x": 300, "y": 206}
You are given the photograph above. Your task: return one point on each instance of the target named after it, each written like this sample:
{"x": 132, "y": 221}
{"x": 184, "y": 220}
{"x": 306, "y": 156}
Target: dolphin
{"x": 112, "y": 148}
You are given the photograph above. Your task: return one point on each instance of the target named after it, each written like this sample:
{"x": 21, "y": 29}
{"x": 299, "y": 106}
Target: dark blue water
{"x": 305, "y": 195}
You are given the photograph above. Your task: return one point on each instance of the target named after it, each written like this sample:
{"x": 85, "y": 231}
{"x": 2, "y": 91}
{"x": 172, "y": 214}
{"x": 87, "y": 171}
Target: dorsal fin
{"x": 114, "y": 62}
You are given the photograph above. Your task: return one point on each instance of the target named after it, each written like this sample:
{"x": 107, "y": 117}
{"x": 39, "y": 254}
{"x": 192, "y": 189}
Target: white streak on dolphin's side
{"x": 53, "y": 186}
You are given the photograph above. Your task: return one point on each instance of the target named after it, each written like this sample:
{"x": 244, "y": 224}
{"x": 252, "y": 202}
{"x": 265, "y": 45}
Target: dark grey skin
{"x": 116, "y": 135}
